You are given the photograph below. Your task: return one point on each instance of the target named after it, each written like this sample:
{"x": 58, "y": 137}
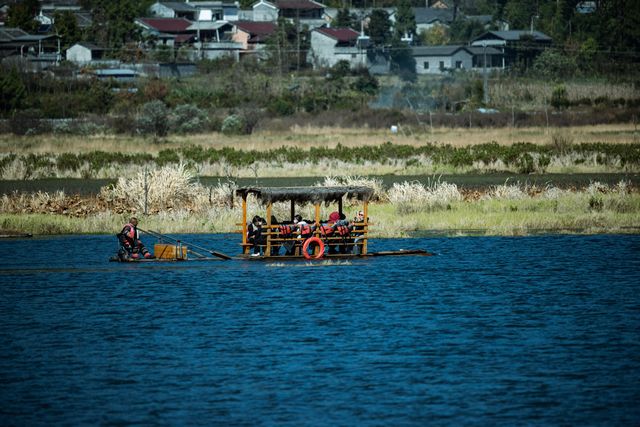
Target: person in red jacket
{"x": 131, "y": 247}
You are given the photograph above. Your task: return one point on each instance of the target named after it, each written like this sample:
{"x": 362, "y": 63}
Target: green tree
{"x": 405, "y": 20}
{"x": 554, "y": 64}
{"x": 436, "y": 35}
{"x": 366, "y": 83}
{"x": 114, "y": 21}
{"x": 66, "y": 26}
{"x": 587, "y": 54}
{"x": 282, "y": 46}
{"x": 379, "y": 27}
{"x": 344, "y": 19}
{"x": 12, "y": 91}
{"x": 402, "y": 60}
{"x": 22, "y": 15}
{"x": 519, "y": 13}
{"x": 463, "y": 31}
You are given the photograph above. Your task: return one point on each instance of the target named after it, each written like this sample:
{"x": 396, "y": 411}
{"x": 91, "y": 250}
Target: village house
{"x": 48, "y": 10}
{"x": 511, "y": 42}
{"x": 304, "y": 12}
{"x": 196, "y": 10}
{"x": 41, "y": 51}
{"x": 166, "y": 31}
{"x": 451, "y": 58}
{"x": 428, "y": 17}
{"x": 83, "y": 53}
{"x": 173, "y": 10}
{"x": 331, "y": 45}
{"x": 251, "y": 36}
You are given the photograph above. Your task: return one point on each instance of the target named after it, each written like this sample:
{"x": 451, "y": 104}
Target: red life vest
{"x": 326, "y": 230}
{"x": 305, "y": 229}
{"x": 343, "y": 230}
{"x": 130, "y": 234}
{"x": 285, "y": 230}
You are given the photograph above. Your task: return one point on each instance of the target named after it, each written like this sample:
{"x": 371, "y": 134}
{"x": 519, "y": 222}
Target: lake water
{"x": 538, "y": 330}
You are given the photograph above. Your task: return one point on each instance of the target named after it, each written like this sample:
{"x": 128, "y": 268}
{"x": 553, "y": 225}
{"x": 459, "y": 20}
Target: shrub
{"x": 153, "y": 119}
{"x": 559, "y": 98}
{"x": 233, "y": 125}
{"x": 554, "y": 64}
{"x": 525, "y": 163}
{"x": 28, "y": 122}
{"x": 281, "y": 107}
{"x": 188, "y": 118}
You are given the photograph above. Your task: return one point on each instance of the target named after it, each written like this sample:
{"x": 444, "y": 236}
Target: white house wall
{"x": 264, "y": 13}
{"x": 449, "y": 62}
{"x": 322, "y": 50}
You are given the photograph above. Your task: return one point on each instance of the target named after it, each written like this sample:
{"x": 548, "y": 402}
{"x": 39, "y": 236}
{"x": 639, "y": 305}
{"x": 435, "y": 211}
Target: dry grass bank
{"x": 307, "y": 137}
{"x": 400, "y": 211}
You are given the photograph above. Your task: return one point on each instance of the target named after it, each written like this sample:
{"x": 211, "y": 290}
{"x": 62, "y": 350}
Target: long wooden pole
{"x": 245, "y": 248}
{"x": 365, "y": 210}
{"x": 268, "y": 249}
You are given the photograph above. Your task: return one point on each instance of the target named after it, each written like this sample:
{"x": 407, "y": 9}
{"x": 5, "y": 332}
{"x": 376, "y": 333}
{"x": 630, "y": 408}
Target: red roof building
{"x": 165, "y": 25}
{"x": 250, "y": 33}
{"x": 341, "y": 35}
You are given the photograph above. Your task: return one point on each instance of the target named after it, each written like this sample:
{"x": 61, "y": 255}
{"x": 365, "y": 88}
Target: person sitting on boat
{"x": 342, "y": 229}
{"x": 131, "y": 247}
{"x": 286, "y": 231}
{"x": 255, "y": 236}
{"x": 327, "y": 229}
{"x": 305, "y": 230}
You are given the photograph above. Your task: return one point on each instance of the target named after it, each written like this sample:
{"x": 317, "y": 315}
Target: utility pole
{"x": 485, "y": 83}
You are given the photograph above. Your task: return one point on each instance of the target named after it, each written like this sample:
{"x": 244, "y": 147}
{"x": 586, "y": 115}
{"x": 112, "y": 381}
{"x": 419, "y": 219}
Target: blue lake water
{"x": 492, "y": 331}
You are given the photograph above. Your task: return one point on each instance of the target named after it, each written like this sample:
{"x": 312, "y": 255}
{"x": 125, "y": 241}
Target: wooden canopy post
{"x": 293, "y": 210}
{"x": 317, "y": 230}
{"x": 317, "y": 218}
{"x": 365, "y": 210}
{"x": 245, "y": 248}
{"x": 340, "y": 206}
{"x": 268, "y": 249}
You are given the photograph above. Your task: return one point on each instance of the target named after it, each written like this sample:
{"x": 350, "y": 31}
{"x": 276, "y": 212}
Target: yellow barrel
{"x": 166, "y": 251}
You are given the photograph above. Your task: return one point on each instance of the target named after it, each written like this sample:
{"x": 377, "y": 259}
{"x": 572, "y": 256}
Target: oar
{"x": 163, "y": 236}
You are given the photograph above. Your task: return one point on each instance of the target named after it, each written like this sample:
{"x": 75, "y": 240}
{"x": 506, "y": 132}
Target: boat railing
{"x": 275, "y": 239}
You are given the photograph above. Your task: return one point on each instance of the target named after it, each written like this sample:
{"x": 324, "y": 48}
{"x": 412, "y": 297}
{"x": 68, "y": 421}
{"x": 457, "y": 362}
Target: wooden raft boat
{"x": 352, "y": 246}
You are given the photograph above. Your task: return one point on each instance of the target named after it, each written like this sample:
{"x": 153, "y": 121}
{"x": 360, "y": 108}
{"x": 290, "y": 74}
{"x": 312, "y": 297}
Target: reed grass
{"x": 511, "y": 209}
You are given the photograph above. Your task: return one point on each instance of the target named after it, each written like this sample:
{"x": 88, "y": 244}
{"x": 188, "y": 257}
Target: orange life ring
{"x": 306, "y": 244}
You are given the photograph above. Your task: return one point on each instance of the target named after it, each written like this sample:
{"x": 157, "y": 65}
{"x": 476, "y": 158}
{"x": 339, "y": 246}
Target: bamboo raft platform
{"x": 353, "y": 246}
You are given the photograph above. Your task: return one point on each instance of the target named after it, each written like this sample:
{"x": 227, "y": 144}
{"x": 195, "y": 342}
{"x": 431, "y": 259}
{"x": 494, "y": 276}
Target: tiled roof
{"x": 340, "y": 34}
{"x": 515, "y": 35}
{"x": 256, "y": 28}
{"x": 436, "y": 50}
{"x": 11, "y": 33}
{"x": 178, "y": 7}
{"x": 427, "y": 15}
{"x": 167, "y": 25}
{"x": 298, "y": 4}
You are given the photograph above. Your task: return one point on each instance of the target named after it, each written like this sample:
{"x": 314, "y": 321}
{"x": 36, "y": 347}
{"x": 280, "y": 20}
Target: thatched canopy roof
{"x": 302, "y": 195}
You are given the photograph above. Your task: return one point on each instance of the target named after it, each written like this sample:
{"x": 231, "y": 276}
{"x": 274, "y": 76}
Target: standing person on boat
{"x": 255, "y": 236}
{"x": 131, "y": 247}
